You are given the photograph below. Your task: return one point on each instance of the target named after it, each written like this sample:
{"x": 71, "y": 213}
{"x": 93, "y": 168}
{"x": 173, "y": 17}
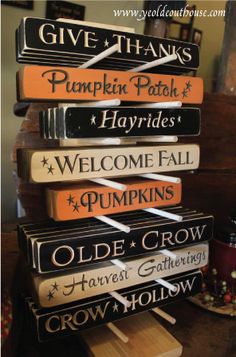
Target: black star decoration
{"x": 188, "y": 85}
{"x": 55, "y": 286}
{"x": 44, "y": 161}
{"x": 185, "y": 93}
{"x": 50, "y": 295}
{"x": 76, "y": 207}
{"x": 50, "y": 169}
{"x": 70, "y": 200}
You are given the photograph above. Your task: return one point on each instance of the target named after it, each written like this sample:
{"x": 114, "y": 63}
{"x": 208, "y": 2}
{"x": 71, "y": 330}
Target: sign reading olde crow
{"x": 64, "y": 84}
{"x": 53, "y": 246}
{"x": 51, "y": 323}
{"x": 55, "y": 42}
{"x": 67, "y": 165}
{"x": 77, "y": 122}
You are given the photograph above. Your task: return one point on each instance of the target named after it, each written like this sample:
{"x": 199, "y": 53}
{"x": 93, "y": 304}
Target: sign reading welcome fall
{"x": 68, "y": 165}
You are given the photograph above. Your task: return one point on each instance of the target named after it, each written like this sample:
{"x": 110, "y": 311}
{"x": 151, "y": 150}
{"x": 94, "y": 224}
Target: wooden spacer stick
{"x": 97, "y": 104}
{"x": 161, "y": 105}
{"x": 160, "y": 139}
{"x": 161, "y": 213}
{"x": 161, "y": 177}
{"x": 101, "y": 56}
{"x": 120, "y": 298}
{"x": 166, "y": 284}
{"x": 117, "y": 332}
{"x": 168, "y": 253}
{"x": 120, "y": 264}
{"x": 109, "y": 183}
{"x": 114, "y": 223}
{"x": 164, "y": 315}
{"x": 155, "y": 63}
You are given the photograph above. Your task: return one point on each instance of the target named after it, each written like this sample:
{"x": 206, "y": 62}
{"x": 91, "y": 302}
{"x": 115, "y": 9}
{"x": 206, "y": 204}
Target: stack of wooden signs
{"x": 111, "y": 247}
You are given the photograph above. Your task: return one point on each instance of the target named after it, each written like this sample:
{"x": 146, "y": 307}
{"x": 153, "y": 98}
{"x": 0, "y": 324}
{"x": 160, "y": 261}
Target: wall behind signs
{"x": 98, "y": 11}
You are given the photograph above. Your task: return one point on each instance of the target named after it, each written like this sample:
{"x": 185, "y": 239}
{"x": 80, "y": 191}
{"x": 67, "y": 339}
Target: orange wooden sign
{"x": 88, "y": 200}
{"x": 40, "y": 83}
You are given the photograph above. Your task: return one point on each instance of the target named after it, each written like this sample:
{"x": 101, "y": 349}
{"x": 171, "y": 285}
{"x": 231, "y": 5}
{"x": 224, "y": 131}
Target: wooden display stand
{"x": 147, "y": 338}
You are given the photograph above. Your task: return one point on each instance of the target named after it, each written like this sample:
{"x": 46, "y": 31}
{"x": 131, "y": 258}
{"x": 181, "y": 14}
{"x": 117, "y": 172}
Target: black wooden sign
{"x": 66, "y": 9}
{"x": 62, "y": 321}
{"x": 51, "y": 246}
{"x": 54, "y": 42}
{"x": 77, "y": 122}
{"x": 19, "y": 3}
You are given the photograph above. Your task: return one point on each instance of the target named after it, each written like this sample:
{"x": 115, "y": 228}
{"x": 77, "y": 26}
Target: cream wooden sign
{"x": 86, "y": 163}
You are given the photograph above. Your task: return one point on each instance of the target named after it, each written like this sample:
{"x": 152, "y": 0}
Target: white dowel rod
{"x": 114, "y": 223}
{"x": 109, "y": 183}
{"x": 164, "y": 315}
{"x": 100, "y": 56}
{"x": 161, "y": 177}
{"x": 168, "y": 253}
{"x": 166, "y": 284}
{"x": 120, "y": 298}
{"x": 97, "y": 104}
{"x": 162, "y": 213}
{"x": 117, "y": 332}
{"x": 161, "y": 105}
{"x": 120, "y": 264}
{"x": 155, "y": 63}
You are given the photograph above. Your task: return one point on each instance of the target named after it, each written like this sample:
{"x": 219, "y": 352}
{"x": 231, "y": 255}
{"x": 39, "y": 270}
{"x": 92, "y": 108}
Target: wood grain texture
{"x": 213, "y": 191}
{"x": 147, "y": 338}
{"x": 218, "y": 133}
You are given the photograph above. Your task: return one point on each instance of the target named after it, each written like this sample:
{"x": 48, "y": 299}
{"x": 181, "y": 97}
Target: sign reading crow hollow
{"x": 62, "y": 321}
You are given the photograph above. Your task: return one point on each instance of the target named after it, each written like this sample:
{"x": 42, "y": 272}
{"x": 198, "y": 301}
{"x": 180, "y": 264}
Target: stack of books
{"x": 117, "y": 241}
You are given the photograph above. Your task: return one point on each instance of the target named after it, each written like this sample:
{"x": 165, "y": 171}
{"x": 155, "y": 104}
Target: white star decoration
{"x": 93, "y": 120}
{"x": 106, "y": 43}
{"x": 115, "y": 307}
{"x": 132, "y": 244}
